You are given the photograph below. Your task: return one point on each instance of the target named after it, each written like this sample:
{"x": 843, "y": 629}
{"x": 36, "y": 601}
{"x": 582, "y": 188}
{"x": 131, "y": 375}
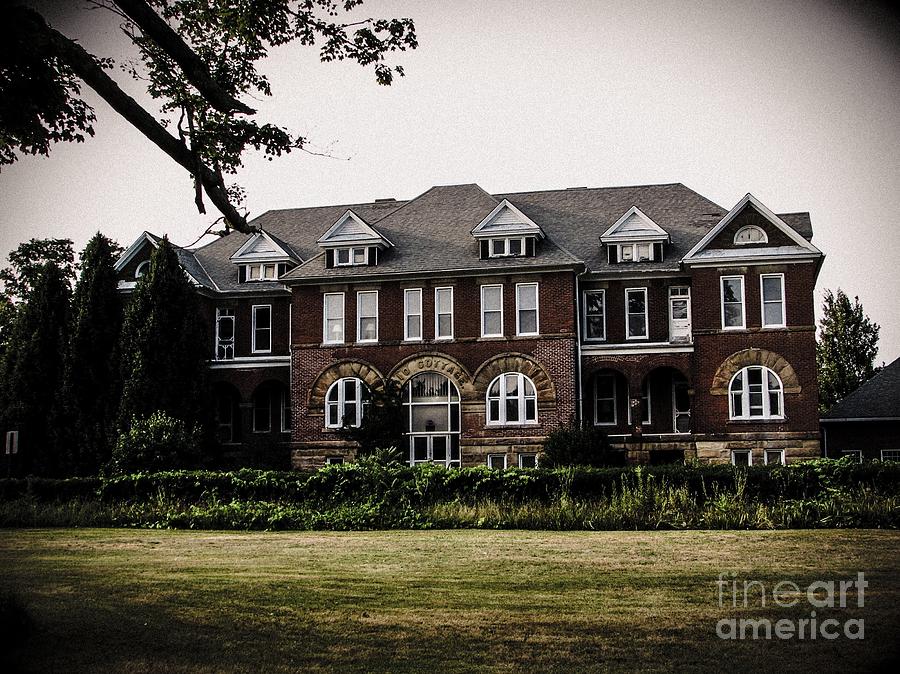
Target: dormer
{"x": 635, "y": 238}
{"x": 264, "y": 257}
{"x": 351, "y": 241}
{"x": 507, "y": 232}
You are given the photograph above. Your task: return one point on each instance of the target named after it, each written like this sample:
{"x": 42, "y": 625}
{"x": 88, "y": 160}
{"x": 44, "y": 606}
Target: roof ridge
{"x": 593, "y": 189}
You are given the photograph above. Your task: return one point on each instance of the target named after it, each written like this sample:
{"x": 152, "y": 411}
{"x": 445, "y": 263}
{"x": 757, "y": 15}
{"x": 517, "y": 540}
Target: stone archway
{"x": 741, "y": 359}
{"x": 521, "y": 363}
{"x": 370, "y": 376}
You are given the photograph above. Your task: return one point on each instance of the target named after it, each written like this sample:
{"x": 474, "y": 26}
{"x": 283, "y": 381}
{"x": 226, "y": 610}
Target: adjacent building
{"x": 683, "y": 329}
{"x": 866, "y": 424}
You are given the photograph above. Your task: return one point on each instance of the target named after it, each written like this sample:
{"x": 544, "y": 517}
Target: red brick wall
{"x": 243, "y": 322}
{"x": 657, "y": 307}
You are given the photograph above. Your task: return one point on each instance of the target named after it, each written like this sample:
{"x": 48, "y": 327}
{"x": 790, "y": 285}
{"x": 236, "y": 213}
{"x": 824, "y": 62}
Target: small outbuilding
{"x": 866, "y": 424}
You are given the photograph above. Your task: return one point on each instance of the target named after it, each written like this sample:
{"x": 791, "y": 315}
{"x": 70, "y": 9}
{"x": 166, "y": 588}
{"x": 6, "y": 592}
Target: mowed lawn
{"x": 442, "y": 601}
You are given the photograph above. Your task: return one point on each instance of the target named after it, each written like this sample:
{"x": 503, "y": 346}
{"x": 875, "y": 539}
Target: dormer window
{"x": 350, "y": 256}
{"x": 749, "y": 235}
{"x": 635, "y": 238}
{"x": 509, "y": 247}
{"x": 507, "y": 232}
{"x": 263, "y": 257}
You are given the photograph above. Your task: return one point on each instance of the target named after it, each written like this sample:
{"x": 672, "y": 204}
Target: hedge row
{"x": 426, "y": 484}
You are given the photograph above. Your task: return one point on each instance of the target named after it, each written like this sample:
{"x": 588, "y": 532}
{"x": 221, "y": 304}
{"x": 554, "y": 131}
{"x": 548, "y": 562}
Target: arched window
{"x": 142, "y": 269}
{"x": 756, "y": 393}
{"x": 346, "y": 403}
{"x": 511, "y": 399}
{"x": 750, "y": 234}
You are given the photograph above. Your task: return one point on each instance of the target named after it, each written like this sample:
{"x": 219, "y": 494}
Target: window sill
{"x": 748, "y": 422}
{"x": 501, "y": 427}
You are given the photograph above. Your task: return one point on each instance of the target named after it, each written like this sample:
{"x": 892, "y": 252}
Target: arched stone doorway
{"x": 431, "y": 404}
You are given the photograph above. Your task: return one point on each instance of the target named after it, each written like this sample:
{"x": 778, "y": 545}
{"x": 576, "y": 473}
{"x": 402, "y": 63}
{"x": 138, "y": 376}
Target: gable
{"x": 634, "y": 225}
{"x": 506, "y": 220}
{"x": 750, "y": 217}
{"x": 350, "y": 229}
{"x": 780, "y": 238}
{"x": 262, "y": 247}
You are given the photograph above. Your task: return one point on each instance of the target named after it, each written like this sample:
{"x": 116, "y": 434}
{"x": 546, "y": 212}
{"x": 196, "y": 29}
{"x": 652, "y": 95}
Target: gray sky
{"x": 796, "y": 102}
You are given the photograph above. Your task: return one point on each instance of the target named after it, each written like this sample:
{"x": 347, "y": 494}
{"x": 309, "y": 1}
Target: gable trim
{"x": 527, "y": 227}
{"x": 611, "y": 235}
{"x": 280, "y": 255}
{"x": 372, "y": 236}
{"x": 749, "y": 199}
{"x": 134, "y": 249}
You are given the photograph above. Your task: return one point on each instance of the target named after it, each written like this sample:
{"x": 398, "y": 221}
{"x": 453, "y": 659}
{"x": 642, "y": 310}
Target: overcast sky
{"x": 796, "y": 102}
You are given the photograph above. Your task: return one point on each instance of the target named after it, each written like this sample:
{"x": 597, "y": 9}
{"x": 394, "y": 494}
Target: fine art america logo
{"x": 786, "y": 594}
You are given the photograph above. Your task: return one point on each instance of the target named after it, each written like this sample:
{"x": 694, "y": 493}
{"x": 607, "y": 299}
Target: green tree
{"x": 381, "y": 430}
{"x": 197, "y": 58}
{"x": 92, "y": 376}
{"x": 846, "y": 349}
{"x": 27, "y": 261}
{"x": 163, "y": 346}
{"x": 33, "y": 372}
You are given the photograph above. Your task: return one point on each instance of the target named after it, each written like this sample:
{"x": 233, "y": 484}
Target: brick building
{"x": 682, "y": 329}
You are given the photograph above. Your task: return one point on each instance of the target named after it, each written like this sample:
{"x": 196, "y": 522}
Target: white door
{"x": 679, "y": 314}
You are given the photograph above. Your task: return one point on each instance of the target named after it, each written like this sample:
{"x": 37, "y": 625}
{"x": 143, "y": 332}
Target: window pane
{"x": 606, "y": 411}
{"x": 606, "y": 387}
{"x": 527, "y": 460}
{"x": 594, "y": 303}
{"x": 733, "y": 315}
{"x": 367, "y": 303}
{"x": 349, "y": 417}
{"x": 368, "y": 329}
{"x": 771, "y": 288}
{"x": 512, "y": 385}
{"x": 420, "y": 449}
{"x": 627, "y": 253}
{"x": 412, "y": 328}
{"x": 528, "y": 321}
{"x": 359, "y": 256}
{"x": 263, "y": 341}
{"x": 774, "y": 405}
{"x": 498, "y": 246}
{"x": 643, "y": 252}
{"x": 343, "y": 256}
{"x": 527, "y": 296}
{"x": 636, "y": 303}
{"x": 414, "y": 301}
{"x": 754, "y": 376}
{"x": 263, "y": 317}
{"x": 772, "y": 314}
{"x": 253, "y": 272}
{"x": 349, "y": 390}
{"x": 515, "y": 246}
{"x": 439, "y": 448}
{"x": 445, "y": 325}
{"x": 530, "y": 409}
{"x": 492, "y": 298}
{"x": 336, "y": 330}
{"x": 731, "y": 290}
{"x": 429, "y": 418}
{"x": 636, "y": 325}
{"x": 494, "y": 410}
{"x": 492, "y": 323}
{"x": 226, "y": 328}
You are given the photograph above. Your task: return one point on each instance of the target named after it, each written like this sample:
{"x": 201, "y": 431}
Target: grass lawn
{"x": 141, "y": 600}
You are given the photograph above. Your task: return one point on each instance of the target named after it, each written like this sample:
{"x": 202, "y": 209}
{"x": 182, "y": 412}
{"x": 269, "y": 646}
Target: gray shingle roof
{"x": 877, "y": 398}
{"x": 432, "y": 233}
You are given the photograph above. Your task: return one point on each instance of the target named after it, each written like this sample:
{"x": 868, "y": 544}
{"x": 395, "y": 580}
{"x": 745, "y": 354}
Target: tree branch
{"x": 196, "y": 71}
{"x": 86, "y": 67}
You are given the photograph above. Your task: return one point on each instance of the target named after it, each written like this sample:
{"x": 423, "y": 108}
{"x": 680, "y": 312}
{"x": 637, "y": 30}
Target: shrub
{"x": 579, "y": 445}
{"x": 158, "y": 442}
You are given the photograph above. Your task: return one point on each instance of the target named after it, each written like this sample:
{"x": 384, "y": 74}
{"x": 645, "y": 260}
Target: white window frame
{"x": 334, "y": 460}
{"x": 496, "y": 456}
{"x": 615, "y": 399}
{"x": 747, "y": 452}
{"x": 780, "y": 452}
{"x": 359, "y": 317}
{"x": 537, "y": 309}
{"x": 407, "y": 314}
{"x": 522, "y": 403}
{"x": 326, "y": 318}
{"x": 890, "y": 450}
{"x": 484, "y": 333}
{"x": 351, "y": 255}
{"x": 765, "y": 238}
{"x": 743, "y": 325}
{"x": 646, "y": 334}
{"x": 584, "y": 301}
{"x": 141, "y": 269}
{"x": 506, "y": 240}
{"x": 745, "y": 396}
{"x": 259, "y": 268}
{"x": 254, "y": 328}
{"x": 222, "y": 313}
{"x": 762, "y": 302}
{"x": 633, "y": 247}
{"x": 342, "y": 402}
{"x": 437, "y": 315}
{"x": 853, "y": 452}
